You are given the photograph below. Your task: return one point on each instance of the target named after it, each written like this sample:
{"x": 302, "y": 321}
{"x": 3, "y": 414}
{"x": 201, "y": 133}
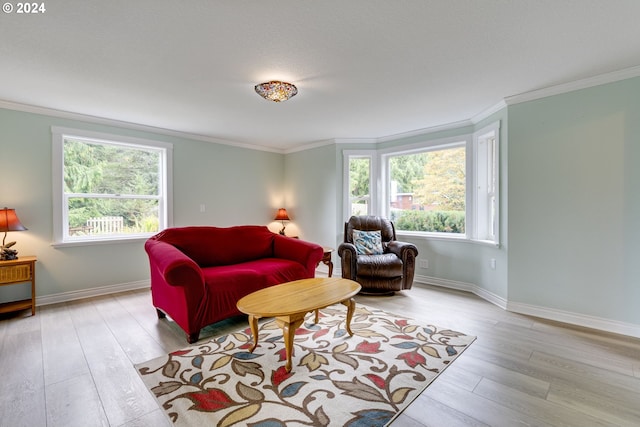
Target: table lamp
{"x": 9, "y": 222}
{"x": 282, "y": 216}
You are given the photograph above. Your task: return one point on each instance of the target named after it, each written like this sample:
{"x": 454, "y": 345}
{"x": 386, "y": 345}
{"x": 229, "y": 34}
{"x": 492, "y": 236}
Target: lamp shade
{"x": 282, "y": 215}
{"x": 9, "y": 221}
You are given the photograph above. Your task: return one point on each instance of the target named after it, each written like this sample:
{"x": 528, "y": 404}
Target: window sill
{"x": 442, "y": 237}
{"x": 106, "y": 241}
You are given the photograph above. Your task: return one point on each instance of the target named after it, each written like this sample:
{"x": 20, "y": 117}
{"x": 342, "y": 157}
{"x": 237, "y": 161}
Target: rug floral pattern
{"x": 337, "y": 380}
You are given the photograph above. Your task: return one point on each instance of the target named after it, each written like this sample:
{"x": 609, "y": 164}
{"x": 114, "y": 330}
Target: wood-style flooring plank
{"x": 75, "y": 402}
{"x": 153, "y": 419}
{"x": 124, "y": 396}
{"x": 625, "y": 413}
{"x": 478, "y": 407}
{"x": 73, "y": 364}
{"x": 132, "y": 338}
{"x": 547, "y": 411}
{"x": 22, "y": 390}
{"x": 140, "y": 307}
{"x": 424, "y": 411}
{"x": 61, "y": 350}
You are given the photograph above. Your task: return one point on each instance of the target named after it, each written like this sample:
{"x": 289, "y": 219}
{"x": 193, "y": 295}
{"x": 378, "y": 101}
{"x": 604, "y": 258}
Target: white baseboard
{"x": 92, "y": 292}
{"x": 463, "y": 286}
{"x": 577, "y": 319}
{"x": 592, "y": 322}
{"x": 583, "y": 320}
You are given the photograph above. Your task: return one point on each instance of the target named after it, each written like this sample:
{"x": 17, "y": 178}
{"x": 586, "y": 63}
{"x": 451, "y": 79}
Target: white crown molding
{"x": 425, "y": 131}
{"x": 577, "y": 319}
{"x": 488, "y": 112}
{"x": 601, "y": 79}
{"x": 128, "y": 125}
{"x": 309, "y": 146}
{"x": 339, "y": 141}
{"x": 510, "y": 100}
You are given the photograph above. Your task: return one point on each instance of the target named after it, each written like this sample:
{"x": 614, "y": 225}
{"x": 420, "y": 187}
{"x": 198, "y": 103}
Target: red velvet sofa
{"x": 198, "y": 274}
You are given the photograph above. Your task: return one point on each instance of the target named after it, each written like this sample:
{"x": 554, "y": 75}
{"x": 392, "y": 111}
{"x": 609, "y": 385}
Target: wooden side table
{"x": 15, "y": 271}
{"x": 326, "y": 259}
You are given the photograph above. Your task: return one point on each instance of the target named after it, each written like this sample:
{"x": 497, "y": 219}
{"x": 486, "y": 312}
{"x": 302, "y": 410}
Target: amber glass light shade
{"x": 282, "y": 216}
{"x": 9, "y": 222}
{"x": 276, "y": 91}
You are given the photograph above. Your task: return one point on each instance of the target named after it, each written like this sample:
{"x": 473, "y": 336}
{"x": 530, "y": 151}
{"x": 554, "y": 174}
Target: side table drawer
{"x": 15, "y": 273}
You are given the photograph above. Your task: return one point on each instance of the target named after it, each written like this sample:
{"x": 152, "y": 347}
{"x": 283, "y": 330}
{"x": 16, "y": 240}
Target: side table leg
{"x": 351, "y": 307}
{"x": 253, "y": 323}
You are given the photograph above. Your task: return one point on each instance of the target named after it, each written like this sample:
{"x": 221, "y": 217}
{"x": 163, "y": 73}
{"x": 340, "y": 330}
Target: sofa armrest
{"x": 348, "y": 260}
{"x": 176, "y": 268}
{"x": 306, "y": 253}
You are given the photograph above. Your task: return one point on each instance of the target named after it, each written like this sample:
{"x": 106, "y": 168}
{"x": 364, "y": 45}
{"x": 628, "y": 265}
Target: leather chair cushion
{"x": 384, "y": 265}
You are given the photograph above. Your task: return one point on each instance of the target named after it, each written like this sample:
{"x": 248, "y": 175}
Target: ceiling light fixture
{"x": 276, "y": 91}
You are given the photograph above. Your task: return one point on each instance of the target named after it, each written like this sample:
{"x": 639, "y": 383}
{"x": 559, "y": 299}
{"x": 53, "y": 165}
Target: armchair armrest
{"x": 402, "y": 249}
{"x": 306, "y": 253}
{"x": 407, "y": 252}
{"x": 349, "y": 260}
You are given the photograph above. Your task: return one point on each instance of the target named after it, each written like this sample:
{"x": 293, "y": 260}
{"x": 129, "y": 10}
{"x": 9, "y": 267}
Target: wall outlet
{"x": 423, "y": 263}
{"x": 202, "y": 207}
{"x": 492, "y": 263}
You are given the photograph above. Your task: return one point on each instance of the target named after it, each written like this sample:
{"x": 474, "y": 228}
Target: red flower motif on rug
{"x": 363, "y": 380}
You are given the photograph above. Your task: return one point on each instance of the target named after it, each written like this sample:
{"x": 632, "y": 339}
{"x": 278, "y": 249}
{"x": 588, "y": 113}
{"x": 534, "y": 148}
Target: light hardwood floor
{"x": 73, "y": 365}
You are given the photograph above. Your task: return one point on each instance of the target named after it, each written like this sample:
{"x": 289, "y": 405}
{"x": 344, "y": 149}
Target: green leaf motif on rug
{"x": 363, "y": 380}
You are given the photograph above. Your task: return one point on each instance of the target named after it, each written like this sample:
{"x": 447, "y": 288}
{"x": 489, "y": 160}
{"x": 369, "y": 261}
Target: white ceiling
{"x": 363, "y": 68}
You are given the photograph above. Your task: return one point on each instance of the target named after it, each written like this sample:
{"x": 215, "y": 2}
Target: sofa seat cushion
{"x": 383, "y": 265}
{"x": 226, "y": 284}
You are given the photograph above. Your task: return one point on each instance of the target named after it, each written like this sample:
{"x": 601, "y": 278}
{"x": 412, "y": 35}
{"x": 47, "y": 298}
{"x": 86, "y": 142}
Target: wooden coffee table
{"x": 291, "y": 301}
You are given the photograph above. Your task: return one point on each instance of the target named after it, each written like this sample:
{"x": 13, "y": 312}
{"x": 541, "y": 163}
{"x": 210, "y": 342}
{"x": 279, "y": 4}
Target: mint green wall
{"x": 456, "y": 261}
{"x": 574, "y": 202}
{"x": 570, "y": 203}
{"x": 236, "y": 185}
{"x": 311, "y": 197}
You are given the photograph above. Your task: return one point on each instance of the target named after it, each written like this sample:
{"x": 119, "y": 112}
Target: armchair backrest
{"x": 369, "y": 223}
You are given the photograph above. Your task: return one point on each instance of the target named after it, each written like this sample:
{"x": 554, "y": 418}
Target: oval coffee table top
{"x": 298, "y": 296}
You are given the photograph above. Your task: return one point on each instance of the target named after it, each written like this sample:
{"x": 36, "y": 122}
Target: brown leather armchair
{"x": 379, "y": 273}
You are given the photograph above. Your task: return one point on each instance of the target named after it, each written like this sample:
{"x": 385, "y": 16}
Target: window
{"x": 427, "y": 189}
{"x": 487, "y": 184}
{"x": 358, "y": 184}
{"x": 446, "y": 188}
{"x": 108, "y": 187}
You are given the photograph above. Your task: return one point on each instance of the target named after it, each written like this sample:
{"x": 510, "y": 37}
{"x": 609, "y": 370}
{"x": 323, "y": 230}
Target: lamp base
{"x": 8, "y": 254}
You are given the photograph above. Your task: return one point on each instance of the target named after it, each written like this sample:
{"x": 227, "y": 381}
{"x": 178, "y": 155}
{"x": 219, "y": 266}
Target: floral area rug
{"x": 337, "y": 380}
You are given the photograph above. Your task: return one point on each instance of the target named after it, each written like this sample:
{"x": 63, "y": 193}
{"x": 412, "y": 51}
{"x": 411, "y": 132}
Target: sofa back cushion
{"x": 212, "y": 246}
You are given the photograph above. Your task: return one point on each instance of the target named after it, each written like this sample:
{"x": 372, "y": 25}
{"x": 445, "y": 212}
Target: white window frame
{"x": 373, "y": 199}
{"x": 481, "y": 225}
{"x": 60, "y": 207}
{"x": 434, "y": 145}
{"x": 486, "y": 160}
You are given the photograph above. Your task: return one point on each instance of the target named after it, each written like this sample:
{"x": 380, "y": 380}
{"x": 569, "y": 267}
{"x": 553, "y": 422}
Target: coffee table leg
{"x": 351, "y": 307}
{"x": 253, "y": 323}
{"x": 289, "y": 324}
